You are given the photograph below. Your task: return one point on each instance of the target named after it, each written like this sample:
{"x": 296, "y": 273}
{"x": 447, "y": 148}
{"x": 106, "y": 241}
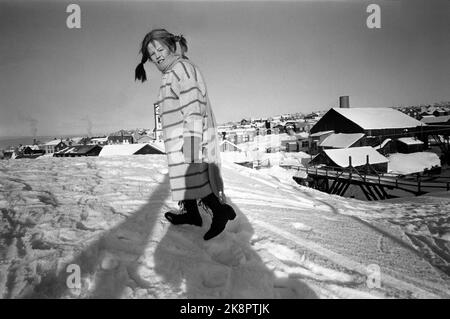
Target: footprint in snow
{"x": 226, "y": 252}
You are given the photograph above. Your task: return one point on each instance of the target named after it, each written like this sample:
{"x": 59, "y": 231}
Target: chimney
{"x": 344, "y": 102}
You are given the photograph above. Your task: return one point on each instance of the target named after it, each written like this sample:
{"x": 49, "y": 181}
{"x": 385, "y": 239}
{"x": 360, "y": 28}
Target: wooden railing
{"x": 383, "y": 179}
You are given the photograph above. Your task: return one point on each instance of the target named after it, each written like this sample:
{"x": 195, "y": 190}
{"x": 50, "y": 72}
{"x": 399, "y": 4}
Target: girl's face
{"x": 159, "y": 53}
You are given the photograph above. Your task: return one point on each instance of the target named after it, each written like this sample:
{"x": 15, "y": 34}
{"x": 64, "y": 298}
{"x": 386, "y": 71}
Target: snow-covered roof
{"x": 158, "y": 145}
{"x": 121, "y": 149}
{"x": 145, "y": 139}
{"x": 76, "y": 139}
{"x": 358, "y": 155}
{"x": 99, "y": 139}
{"x": 232, "y": 144}
{"x": 33, "y": 147}
{"x": 372, "y": 118}
{"x": 54, "y": 142}
{"x": 383, "y": 144}
{"x": 435, "y": 119}
{"x": 302, "y": 135}
{"x": 410, "y": 141}
{"x": 341, "y": 140}
{"x": 321, "y": 133}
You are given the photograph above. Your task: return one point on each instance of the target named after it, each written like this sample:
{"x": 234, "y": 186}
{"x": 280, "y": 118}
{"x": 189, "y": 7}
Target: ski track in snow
{"x": 106, "y": 215}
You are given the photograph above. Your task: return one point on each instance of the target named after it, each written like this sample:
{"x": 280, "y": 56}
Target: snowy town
{"x": 206, "y": 154}
{"x": 409, "y": 145}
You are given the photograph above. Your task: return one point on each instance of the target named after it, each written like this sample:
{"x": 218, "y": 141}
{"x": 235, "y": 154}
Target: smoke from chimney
{"x": 32, "y": 122}
{"x": 89, "y": 124}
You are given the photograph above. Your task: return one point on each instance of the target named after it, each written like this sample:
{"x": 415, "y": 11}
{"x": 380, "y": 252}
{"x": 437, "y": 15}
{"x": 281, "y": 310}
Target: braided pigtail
{"x": 139, "y": 72}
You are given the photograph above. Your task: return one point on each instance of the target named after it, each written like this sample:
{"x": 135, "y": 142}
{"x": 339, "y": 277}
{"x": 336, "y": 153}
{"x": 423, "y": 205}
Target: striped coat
{"x": 190, "y": 133}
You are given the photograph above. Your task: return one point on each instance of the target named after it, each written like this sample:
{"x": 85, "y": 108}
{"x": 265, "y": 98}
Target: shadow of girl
{"x": 226, "y": 266}
{"x": 107, "y": 265}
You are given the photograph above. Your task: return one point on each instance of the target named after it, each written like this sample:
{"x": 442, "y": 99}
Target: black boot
{"x": 222, "y": 213}
{"x": 190, "y": 217}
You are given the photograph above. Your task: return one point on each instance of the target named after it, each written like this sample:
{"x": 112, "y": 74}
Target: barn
{"x": 377, "y": 123}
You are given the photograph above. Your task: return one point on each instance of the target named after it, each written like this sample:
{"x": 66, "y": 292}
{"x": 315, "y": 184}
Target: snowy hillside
{"x": 106, "y": 216}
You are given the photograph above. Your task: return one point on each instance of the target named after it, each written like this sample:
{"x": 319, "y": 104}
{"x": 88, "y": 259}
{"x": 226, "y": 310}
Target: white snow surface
{"x": 120, "y": 149}
{"x": 358, "y": 155}
{"x": 412, "y": 163}
{"x": 341, "y": 140}
{"x": 105, "y": 215}
{"x": 266, "y": 159}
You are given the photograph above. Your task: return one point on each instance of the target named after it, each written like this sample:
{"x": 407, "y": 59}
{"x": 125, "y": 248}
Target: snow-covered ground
{"x": 266, "y": 159}
{"x": 412, "y": 163}
{"x": 106, "y": 216}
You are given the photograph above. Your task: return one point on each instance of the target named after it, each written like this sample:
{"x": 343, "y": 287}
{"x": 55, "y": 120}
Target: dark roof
{"x": 78, "y": 149}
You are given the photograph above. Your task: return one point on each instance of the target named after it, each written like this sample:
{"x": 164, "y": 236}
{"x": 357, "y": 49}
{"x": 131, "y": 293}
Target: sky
{"x": 258, "y": 59}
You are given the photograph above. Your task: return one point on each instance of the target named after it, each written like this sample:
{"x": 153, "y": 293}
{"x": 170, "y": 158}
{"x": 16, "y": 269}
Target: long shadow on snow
{"x": 109, "y": 283}
{"x": 226, "y": 266}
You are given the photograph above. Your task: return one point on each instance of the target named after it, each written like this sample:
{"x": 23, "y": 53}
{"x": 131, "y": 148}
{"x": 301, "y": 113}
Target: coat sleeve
{"x": 192, "y": 105}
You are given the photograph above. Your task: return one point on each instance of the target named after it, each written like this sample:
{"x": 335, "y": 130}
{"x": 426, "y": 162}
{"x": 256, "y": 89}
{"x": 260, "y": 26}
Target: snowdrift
{"x": 412, "y": 163}
{"x": 105, "y": 216}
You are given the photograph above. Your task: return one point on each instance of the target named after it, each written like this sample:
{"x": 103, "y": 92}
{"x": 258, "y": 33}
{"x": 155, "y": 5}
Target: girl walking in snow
{"x": 189, "y": 131}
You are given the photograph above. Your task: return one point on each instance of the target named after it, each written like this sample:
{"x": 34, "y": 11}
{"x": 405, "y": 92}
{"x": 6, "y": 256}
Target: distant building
{"x": 29, "y": 151}
{"x": 290, "y": 144}
{"x": 299, "y": 126}
{"x": 145, "y": 139}
{"x": 436, "y": 120}
{"x": 278, "y": 129}
{"x": 99, "y": 141}
{"x": 54, "y": 146}
{"x": 303, "y": 142}
{"x": 316, "y": 139}
{"x": 376, "y": 123}
{"x": 311, "y": 116}
{"x": 227, "y": 146}
{"x": 409, "y": 145}
{"x": 130, "y": 149}
{"x": 157, "y": 131}
{"x": 79, "y": 150}
{"x": 76, "y": 140}
{"x": 370, "y": 121}
{"x": 119, "y": 139}
{"x": 440, "y": 112}
{"x": 238, "y": 135}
